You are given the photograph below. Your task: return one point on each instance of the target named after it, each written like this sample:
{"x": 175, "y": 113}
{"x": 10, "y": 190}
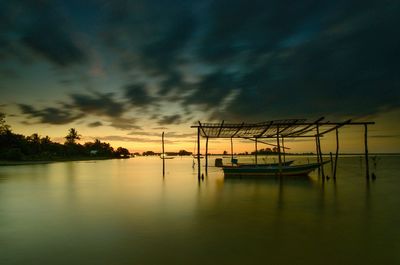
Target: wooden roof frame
{"x": 289, "y": 128}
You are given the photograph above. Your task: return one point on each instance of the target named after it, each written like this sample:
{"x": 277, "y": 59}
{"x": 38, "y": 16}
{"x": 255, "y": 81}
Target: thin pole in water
{"x": 198, "y": 153}
{"x": 337, "y": 153}
{"x": 163, "y": 155}
{"x": 317, "y": 151}
{"x": 279, "y": 151}
{"x": 320, "y": 154}
{"x": 231, "y": 151}
{"x": 255, "y": 154}
{"x": 206, "y": 156}
{"x": 366, "y": 150}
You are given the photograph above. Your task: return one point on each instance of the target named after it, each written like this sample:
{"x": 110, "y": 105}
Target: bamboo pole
{"x": 231, "y": 151}
{"x": 206, "y": 156}
{"x": 317, "y": 150}
{"x": 331, "y": 159}
{"x": 366, "y": 150}
{"x": 198, "y": 153}
{"x": 283, "y": 150}
{"x": 337, "y": 153}
{"x": 163, "y": 155}
{"x": 279, "y": 151}
{"x": 255, "y": 154}
{"x": 320, "y": 153}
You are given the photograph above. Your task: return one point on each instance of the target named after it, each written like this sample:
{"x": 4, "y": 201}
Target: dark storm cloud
{"x": 173, "y": 80}
{"x": 163, "y": 53}
{"x": 98, "y": 104}
{"x": 237, "y": 60}
{"x": 53, "y": 44}
{"x": 101, "y": 105}
{"x": 301, "y": 59}
{"x": 138, "y": 96}
{"x": 124, "y": 123}
{"x": 43, "y": 28}
{"x": 49, "y": 115}
{"x": 170, "y": 119}
{"x": 152, "y": 37}
{"x": 212, "y": 90}
{"x": 95, "y": 124}
{"x": 238, "y": 28}
{"x": 155, "y": 30}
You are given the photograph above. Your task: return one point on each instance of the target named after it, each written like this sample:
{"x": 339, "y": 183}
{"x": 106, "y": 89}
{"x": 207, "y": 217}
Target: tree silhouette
{"x": 122, "y": 152}
{"x": 3, "y": 126}
{"x": 72, "y": 136}
{"x": 16, "y": 147}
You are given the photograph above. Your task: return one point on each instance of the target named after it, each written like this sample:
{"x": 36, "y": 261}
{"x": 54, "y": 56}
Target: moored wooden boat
{"x": 296, "y": 170}
{"x": 287, "y": 163}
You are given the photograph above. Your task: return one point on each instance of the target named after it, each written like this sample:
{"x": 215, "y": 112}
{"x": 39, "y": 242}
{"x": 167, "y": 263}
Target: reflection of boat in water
{"x": 165, "y": 156}
{"x": 270, "y": 170}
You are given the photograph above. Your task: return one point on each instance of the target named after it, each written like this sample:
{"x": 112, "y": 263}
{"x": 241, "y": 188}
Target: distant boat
{"x": 196, "y": 156}
{"x": 165, "y": 156}
{"x": 270, "y": 170}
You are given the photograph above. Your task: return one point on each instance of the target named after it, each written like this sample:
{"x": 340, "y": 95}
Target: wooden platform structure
{"x": 278, "y": 130}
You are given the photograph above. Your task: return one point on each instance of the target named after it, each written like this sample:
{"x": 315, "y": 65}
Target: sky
{"x": 124, "y": 71}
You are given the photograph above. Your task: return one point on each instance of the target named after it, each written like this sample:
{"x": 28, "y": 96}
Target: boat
{"x": 165, "y": 156}
{"x": 270, "y": 170}
{"x": 287, "y": 163}
{"x": 196, "y": 156}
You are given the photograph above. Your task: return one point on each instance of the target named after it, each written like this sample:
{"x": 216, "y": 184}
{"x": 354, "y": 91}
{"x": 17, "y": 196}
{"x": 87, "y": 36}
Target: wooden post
{"x": 366, "y": 150}
{"x": 320, "y": 153}
{"x": 331, "y": 157}
{"x": 231, "y": 151}
{"x": 337, "y": 153}
{"x": 163, "y": 155}
{"x": 206, "y": 156}
{"x": 198, "y": 153}
{"x": 279, "y": 151}
{"x": 317, "y": 150}
{"x": 255, "y": 154}
{"x": 283, "y": 149}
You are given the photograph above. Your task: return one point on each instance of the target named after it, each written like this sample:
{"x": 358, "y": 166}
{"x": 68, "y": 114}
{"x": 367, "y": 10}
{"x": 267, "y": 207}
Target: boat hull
{"x": 288, "y": 163}
{"x": 297, "y": 170}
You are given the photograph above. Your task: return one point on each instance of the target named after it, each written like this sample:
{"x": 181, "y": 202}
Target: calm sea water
{"x": 125, "y": 212}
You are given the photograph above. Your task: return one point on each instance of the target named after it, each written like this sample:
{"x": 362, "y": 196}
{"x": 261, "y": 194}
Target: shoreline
{"x": 39, "y": 162}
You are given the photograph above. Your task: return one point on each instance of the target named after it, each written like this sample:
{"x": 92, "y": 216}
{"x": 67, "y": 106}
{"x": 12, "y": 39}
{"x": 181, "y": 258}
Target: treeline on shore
{"x": 17, "y": 147}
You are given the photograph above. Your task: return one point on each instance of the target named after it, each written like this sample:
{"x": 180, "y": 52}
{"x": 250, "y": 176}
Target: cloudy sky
{"x": 123, "y": 71}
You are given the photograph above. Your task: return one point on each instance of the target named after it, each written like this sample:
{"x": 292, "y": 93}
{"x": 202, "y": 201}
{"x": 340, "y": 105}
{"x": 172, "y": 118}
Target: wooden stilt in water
{"x": 231, "y": 151}
{"x": 279, "y": 151}
{"x": 317, "y": 150}
{"x": 255, "y": 153}
{"x": 320, "y": 153}
{"x": 206, "y": 156}
{"x": 331, "y": 157}
{"x": 163, "y": 155}
{"x": 337, "y": 153}
{"x": 366, "y": 150}
{"x": 283, "y": 150}
{"x": 198, "y": 153}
